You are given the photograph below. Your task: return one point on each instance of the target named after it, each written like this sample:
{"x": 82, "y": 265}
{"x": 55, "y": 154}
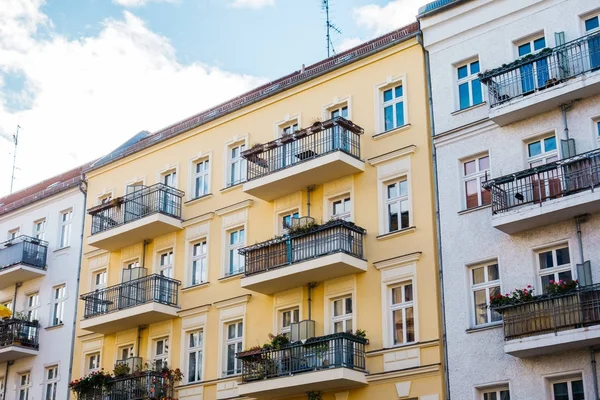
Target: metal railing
{"x": 546, "y": 182}
{"x": 552, "y": 314}
{"x": 340, "y": 350}
{"x": 139, "y": 386}
{"x": 133, "y": 363}
{"x": 18, "y": 332}
{"x": 333, "y": 237}
{"x": 542, "y": 70}
{"x": 144, "y": 201}
{"x": 23, "y": 250}
{"x": 337, "y": 134}
{"x": 149, "y": 289}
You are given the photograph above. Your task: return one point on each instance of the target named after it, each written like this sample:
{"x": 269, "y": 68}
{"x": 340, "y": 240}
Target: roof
{"x": 133, "y": 140}
{"x": 43, "y": 189}
{"x": 263, "y": 92}
{"x": 437, "y": 6}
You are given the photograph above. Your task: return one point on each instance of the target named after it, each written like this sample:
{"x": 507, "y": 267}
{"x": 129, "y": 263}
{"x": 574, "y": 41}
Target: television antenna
{"x": 330, "y": 27}
{"x": 14, "y": 167}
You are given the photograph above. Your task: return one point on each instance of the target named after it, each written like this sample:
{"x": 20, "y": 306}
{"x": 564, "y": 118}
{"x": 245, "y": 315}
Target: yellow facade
{"x": 410, "y": 370}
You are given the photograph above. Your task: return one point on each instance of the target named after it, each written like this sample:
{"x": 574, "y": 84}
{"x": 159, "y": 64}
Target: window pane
{"x": 397, "y": 295}
{"x": 535, "y": 149}
{"x": 505, "y": 395}
{"x": 539, "y": 44}
{"x": 338, "y": 327}
{"x": 463, "y": 72}
{"x": 592, "y": 23}
{"x": 486, "y": 196}
{"x": 494, "y": 291}
{"x": 392, "y": 191}
{"x": 192, "y": 367}
{"x": 231, "y": 358}
{"x": 471, "y": 190}
{"x": 470, "y": 167}
{"x": 410, "y": 325}
{"x": 478, "y": 275}
{"x": 474, "y": 67}
{"x": 404, "y": 214}
{"x": 477, "y": 93}
{"x": 484, "y": 163}
{"x": 393, "y": 217}
{"x": 399, "y": 114}
{"x": 408, "y": 293}
{"x": 349, "y": 305}
{"x": 550, "y": 144}
{"x": 240, "y": 329}
{"x": 480, "y": 303}
{"x": 577, "y": 388}
{"x": 403, "y": 188}
{"x": 546, "y": 281}
{"x": 398, "y": 91}
{"x": 463, "y": 93}
{"x": 387, "y": 95}
{"x": 562, "y": 256}
{"x": 388, "y": 113}
{"x": 231, "y": 331}
{"x": 524, "y": 49}
{"x": 398, "y": 327}
{"x": 337, "y": 308}
{"x": 565, "y": 276}
{"x": 546, "y": 260}
{"x": 561, "y": 391}
{"x": 493, "y": 273}
{"x": 490, "y": 396}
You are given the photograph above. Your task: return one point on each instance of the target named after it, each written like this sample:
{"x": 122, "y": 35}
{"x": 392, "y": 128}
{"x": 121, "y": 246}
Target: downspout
{"x": 437, "y": 215}
{"x": 594, "y": 372}
{"x": 8, "y": 363}
{"x": 578, "y": 220}
{"x": 310, "y": 286}
{"x": 308, "y": 190}
{"x": 84, "y": 191}
{"x": 14, "y": 302}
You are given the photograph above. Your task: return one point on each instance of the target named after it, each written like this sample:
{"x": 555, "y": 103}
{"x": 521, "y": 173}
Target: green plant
{"x": 121, "y": 370}
{"x": 556, "y": 288}
{"x": 276, "y": 341}
{"x": 314, "y": 395}
{"x": 517, "y": 296}
{"x": 360, "y": 333}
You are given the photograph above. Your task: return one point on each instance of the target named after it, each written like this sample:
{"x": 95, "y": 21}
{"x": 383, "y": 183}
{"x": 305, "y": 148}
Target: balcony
{"x": 311, "y": 156}
{"x": 146, "y": 385}
{"x": 543, "y": 81}
{"x": 18, "y": 339}
{"x": 148, "y": 212}
{"x": 142, "y": 301}
{"x": 332, "y": 362}
{"x": 546, "y": 194}
{"x": 323, "y": 252}
{"x": 22, "y": 259}
{"x": 553, "y": 324}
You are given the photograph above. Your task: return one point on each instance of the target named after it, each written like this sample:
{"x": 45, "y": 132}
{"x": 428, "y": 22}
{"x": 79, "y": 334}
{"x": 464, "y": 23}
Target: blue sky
{"x": 81, "y": 77}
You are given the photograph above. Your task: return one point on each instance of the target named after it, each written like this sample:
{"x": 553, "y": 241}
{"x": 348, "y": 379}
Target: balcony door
{"x": 135, "y": 205}
{"x": 133, "y": 291}
{"x": 592, "y": 25}
{"x": 169, "y": 200}
{"x": 534, "y": 75}
{"x": 288, "y": 151}
{"x": 165, "y": 268}
{"x": 547, "y": 182}
{"x": 340, "y": 137}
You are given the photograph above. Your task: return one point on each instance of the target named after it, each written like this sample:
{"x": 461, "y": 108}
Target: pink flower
{"x": 528, "y": 286}
{"x": 551, "y": 281}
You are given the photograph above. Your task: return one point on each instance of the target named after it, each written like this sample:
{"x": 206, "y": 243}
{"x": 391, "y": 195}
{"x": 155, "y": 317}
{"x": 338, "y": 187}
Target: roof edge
{"x": 437, "y": 6}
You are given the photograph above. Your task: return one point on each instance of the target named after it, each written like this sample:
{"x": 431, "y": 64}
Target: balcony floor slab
{"x": 10, "y": 353}
{"x": 128, "y": 318}
{"x": 19, "y": 273}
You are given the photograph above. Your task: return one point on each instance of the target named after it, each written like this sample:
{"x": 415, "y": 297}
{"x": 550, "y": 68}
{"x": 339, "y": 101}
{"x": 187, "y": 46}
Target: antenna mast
{"x": 16, "y": 142}
{"x": 330, "y": 26}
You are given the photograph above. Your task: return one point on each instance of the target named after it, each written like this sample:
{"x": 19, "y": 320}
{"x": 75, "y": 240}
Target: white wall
{"x": 63, "y": 266}
{"x": 488, "y": 29}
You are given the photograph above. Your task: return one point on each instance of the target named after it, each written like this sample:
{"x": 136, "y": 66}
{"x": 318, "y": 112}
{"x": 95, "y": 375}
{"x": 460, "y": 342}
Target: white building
{"x": 523, "y": 230}
{"x": 40, "y": 231}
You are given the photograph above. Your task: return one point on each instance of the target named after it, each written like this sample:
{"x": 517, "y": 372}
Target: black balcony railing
{"x": 18, "y": 332}
{"x": 147, "y": 385}
{"x": 333, "y": 237}
{"x": 546, "y": 182}
{"x": 23, "y": 250}
{"x": 132, "y": 364}
{"x": 577, "y": 309}
{"x": 149, "y": 289}
{"x": 144, "y": 201}
{"x": 337, "y": 134}
{"x": 340, "y": 350}
{"x": 542, "y": 70}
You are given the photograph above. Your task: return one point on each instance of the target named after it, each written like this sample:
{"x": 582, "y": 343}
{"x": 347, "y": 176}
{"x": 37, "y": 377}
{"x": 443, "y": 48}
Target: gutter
{"x": 437, "y": 217}
{"x": 84, "y": 191}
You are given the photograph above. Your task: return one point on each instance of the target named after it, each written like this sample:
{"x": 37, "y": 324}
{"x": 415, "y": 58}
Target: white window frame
{"x": 51, "y": 383}
{"x": 202, "y": 176}
{"x": 99, "y": 279}
{"x": 338, "y": 104}
{"x": 32, "y": 307}
{"x": 65, "y": 220}
{"x": 479, "y": 176}
{"x": 202, "y": 258}
{"x": 346, "y": 215}
{"x": 344, "y": 317}
{"x": 288, "y": 120}
{"x": 171, "y": 174}
{"x": 237, "y": 341}
{"x": 169, "y": 266}
{"x": 58, "y": 304}
{"x": 404, "y": 305}
{"x": 281, "y": 216}
{"x": 8, "y": 304}
{"x": 383, "y": 104}
{"x": 556, "y": 269}
{"x": 241, "y": 145}
{"x": 95, "y": 356}
{"x": 162, "y": 357}
{"x": 232, "y": 249}
{"x": 469, "y": 81}
{"x": 399, "y": 199}
{"x": 39, "y": 228}
{"x": 13, "y": 233}
{"x": 24, "y": 389}
{"x": 294, "y": 318}
{"x": 486, "y": 285}
{"x": 198, "y": 353}
{"x": 129, "y": 348}
{"x": 544, "y": 155}
{"x": 550, "y": 381}
{"x": 497, "y": 389}
{"x": 390, "y": 82}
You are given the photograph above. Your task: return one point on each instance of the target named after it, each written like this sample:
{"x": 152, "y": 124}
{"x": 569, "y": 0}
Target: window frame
{"x": 497, "y": 390}
{"x": 198, "y": 353}
{"x": 402, "y": 306}
{"x": 203, "y": 258}
{"x": 565, "y": 379}
{"x": 205, "y": 174}
{"x": 24, "y": 388}
{"x": 588, "y": 18}
{"x": 544, "y": 155}
{"x": 281, "y": 217}
{"x": 237, "y": 341}
{"x": 479, "y": 176}
{"x": 58, "y": 304}
{"x": 286, "y": 330}
{"x": 88, "y": 358}
{"x": 345, "y": 316}
{"x": 32, "y": 310}
{"x": 555, "y": 270}
{"x": 231, "y": 160}
{"x": 346, "y": 215}
{"x": 229, "y": 248}
{"x": 13, "y": 233}
{"x": 51, "y": 383}
{"x": 162, "y": 357}
{"x": 397, "y": 200}
{"x": 65, "y": 230}
{"x": 393, "y": 102}
{"x": 486, "y": 285}
{"x": 468, "y": 79}
{"x": 39, "y": 234}
{"x": 169, "y": 266}
{"x": 101, "y": 285}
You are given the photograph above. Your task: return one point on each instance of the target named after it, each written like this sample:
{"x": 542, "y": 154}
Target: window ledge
{"x": 391, "y": 132}
{"x": 470, "y": 210}
{"x": 390, "y": 235}
{"x": 469, "y": 108}
{"x": 231, "y": 277}
{"x": 232, "y": 187}
{"x": 198, "y": 286}
{"x": 198, "y": 199}
{"x": 62, "y": 249}
{"x": 485, "y": 327}
{"x": 51, "y": 328}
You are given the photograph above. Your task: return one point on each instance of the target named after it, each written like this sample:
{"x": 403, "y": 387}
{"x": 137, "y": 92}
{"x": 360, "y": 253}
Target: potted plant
{"x": 300, "y": 133}
{"x": 286, "y": 138}
{"x": 360, "y": 333}
{"x": 121, "y": 370}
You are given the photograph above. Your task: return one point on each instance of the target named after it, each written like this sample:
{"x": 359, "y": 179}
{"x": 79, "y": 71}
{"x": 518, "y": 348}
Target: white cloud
{"x": 395, "y": 14}
{"x": 91, "y": 94}
{"x": 256, "y": 4}
{"x": 348, "y": 43}
{"x": 139, "y": 3}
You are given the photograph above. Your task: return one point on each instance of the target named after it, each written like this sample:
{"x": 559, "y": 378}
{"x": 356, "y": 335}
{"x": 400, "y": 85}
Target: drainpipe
{"x": 594, "y": 372}
{"x": 139, "y": 339}
{"x": 578, "y": 220}
{"x": 310, "y": 286}
{"x": 82, "y": 189}
{"x": 8, "y": 363}
{"x": 437, "y": 216}
{"x": 308, "y": 190}
{"x": 14, "y": 302}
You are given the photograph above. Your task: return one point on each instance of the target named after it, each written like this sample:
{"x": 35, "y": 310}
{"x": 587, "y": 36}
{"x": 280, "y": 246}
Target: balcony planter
{"x": 288, "y": 138}
{"x": 300, "y": 134}
{"x": 316, "y": 127}
{"x": 328, "y": 124}
{"x": 270, "y": 145}
{"x": 254, "y": 150}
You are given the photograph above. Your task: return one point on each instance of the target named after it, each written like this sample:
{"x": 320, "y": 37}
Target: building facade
{"x": 40, "y": 253}
{"x": 515, "y": 87}
{"x": 303, "y": 208}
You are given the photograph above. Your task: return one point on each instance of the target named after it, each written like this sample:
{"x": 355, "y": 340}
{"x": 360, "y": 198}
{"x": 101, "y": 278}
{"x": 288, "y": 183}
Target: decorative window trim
{"x": 195, "y": 233}
{"x": 378, "y": 91}
{"x": 279, "y": 214}
{"x": 480, "y": 390}
{"x": 287, "y": 120}
{"x": 55, "y": 301}
{"x": 167, "y": 169}
{"x": 529, "y": 38}
{"x": 484, "y": 285}
{"x": 235, "y": 141}
{"x": 42, "y": 232}
{"x": 201, "y": 156}
{"x": 230, "y": 311}
{"x": 284, "y": 301}
{"x": 562, "y": 376}
{"x": 555, "y": 269}
{"x": 61, "y": 224}
{"x": 191, "y": 321}
{"x": 544, "y": 154}
{"x": 137, "y": 181}
{"x": 337, "y": 102}
{"x": 226, "y": 246}
{"x": 478, "y": 176}
{"x": 470, "y": 78}
{"x": 329, "y": 199}
{"x": 86, "y": 358}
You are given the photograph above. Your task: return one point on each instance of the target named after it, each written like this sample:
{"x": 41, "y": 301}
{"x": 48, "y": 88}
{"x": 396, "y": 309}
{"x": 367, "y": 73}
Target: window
{"x": 393, "y": 107}
{"x": 170, "y": 179}
{"x": 132, "y": 264}
{"x": 201, "y": 178}
{"x": 535, "y": 74}
{"x": 106, "y": 198}
{"x": 194, "y": 372}
{"x": 24, "y": 386}
{"x": 235, "y": 260}
{"x": 339, "y": 112}
{"x": 475, "y": 172}
{"x": 65, "y": 228}
{"x": 542, "y": 151}
{"x": 237, "y": 165}
{"x": 341, "y": 208}
{"x": 165, "y": 264}
{"x": 13, "y": 234}
{"x": 498, "y": 394}
{"x": 403, "y": 323}
{"x": 287, "y": 220}
{"x": 568, "y": 389}
{"x": 199, "y": 267}
{"x": 99, "y": 280}
{"x": 592, "y": 24}
{"x": 469, "y": 86}
{"x": 160, "y": 354}
{"x": 93, "y": 362}
{"x": 342, "y": 315}
{"x": 598, "y": 129}
{"x": 287, "y": 318}
{"x": 554, "y": 265}
{"x": 51, "y": 375}
{"x": 126, "y": 352}
{"x": 235, "y": 332}
{"x": 33, "y": 305}
{"x": 58, "y": 304}
{"x": 39, "y": 229}
{"x": 288, "y": 130}
{"x": 397, "y": 205}
{"x": 485, "y": 282}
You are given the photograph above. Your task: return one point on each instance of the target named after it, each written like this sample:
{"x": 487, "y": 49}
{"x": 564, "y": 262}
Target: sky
{"x": 80, "y": 77}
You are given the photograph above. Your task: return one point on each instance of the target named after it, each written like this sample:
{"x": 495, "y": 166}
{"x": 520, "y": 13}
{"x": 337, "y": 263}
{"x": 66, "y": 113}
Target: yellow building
{"x": 304, "y": 207}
